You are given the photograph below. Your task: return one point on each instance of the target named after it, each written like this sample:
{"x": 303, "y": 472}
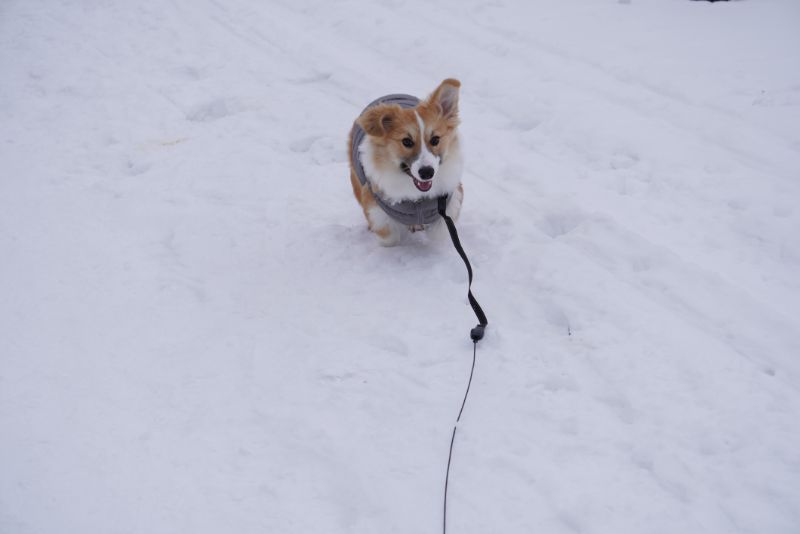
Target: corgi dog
{"x": 404, "y": 156}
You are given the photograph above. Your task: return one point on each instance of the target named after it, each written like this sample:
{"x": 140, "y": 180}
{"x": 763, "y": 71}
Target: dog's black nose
{"x": 426, "y": 173}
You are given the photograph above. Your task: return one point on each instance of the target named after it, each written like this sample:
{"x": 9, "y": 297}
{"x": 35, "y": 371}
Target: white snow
{"x": 198, "y": 334}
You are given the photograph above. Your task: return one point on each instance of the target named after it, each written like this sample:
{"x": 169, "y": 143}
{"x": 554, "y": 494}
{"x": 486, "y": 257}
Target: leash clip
{"x": 476, "y": 333}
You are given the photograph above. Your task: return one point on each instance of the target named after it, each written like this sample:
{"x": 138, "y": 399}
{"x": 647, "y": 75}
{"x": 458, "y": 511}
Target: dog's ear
{"x": 378, "y": 121}
{"x": 446, "y": 96}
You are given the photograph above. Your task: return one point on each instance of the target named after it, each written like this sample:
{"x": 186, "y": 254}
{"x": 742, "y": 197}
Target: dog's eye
{"x": 408, "y": 142}
{"x": 434, "y": 140}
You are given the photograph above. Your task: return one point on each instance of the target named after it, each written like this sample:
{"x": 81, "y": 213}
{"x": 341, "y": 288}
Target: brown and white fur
{"x": 430, "y": 167}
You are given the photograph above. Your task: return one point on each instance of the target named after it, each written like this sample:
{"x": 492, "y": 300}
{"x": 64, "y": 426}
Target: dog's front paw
{"x": 390, "y": 240}
{"x": 437, "y": 232}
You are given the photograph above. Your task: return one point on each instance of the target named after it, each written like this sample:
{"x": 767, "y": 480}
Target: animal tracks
{"x": 215, "y": 109}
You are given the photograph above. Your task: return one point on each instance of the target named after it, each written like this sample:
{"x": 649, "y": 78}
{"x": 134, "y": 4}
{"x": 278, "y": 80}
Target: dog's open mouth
{"x": 422, "y": 185}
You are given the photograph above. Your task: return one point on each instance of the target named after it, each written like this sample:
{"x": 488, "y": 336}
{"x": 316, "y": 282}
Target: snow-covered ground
{"x": 199, "y": 335}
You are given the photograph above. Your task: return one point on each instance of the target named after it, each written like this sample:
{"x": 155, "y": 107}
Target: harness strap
{"x": 476, "y": 334}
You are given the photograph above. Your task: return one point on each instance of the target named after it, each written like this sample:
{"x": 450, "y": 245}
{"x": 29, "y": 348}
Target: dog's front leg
{"x": 388, "y": 230}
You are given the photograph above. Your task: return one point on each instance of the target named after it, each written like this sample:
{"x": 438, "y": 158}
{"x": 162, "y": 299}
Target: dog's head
{"x": 414, "y": 142}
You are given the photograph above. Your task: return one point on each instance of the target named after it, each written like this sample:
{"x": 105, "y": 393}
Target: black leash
{"x": 476, "y": 334}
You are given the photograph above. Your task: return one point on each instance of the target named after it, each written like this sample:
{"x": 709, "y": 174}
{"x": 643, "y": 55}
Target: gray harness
{"x": 408, "y": 212}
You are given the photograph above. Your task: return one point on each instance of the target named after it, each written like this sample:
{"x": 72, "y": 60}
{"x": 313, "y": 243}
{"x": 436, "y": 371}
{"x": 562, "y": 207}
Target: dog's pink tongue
{"x": 423, "y": 186}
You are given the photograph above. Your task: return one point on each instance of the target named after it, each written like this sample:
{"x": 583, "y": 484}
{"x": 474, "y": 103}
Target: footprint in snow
{"x": 136, "y": 167}
{"x": 560, "y": 223}
{"x": 304, "y": 144}
{"x": 191, "y": 73}
{"x": 620, "y": 407}
{"x": 214, "y": 110}
{"x": 389, "y": 343}
{"x": 525, "y": 124}
{"x": 622, "y": 160}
